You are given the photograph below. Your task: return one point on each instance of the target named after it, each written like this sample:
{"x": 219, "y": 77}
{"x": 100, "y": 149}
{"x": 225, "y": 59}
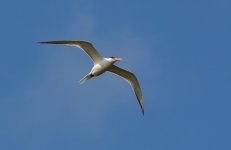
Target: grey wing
{"x": 131, "y": 78}
{"x": 86, "y": 46}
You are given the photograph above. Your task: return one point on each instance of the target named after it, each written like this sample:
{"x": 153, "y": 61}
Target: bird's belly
{"x": 99, "y": 69}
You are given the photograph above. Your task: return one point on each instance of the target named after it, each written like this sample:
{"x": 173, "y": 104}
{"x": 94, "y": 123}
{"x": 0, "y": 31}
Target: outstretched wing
{"x": 85, "y": 46}
{"x": 132, "y": 80}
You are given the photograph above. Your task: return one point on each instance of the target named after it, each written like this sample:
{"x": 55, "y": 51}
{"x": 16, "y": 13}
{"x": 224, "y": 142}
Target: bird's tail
{"x": 87, "y": 77}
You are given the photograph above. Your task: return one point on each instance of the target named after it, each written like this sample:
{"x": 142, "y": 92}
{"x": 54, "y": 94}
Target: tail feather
{"x": 87, "y": 77}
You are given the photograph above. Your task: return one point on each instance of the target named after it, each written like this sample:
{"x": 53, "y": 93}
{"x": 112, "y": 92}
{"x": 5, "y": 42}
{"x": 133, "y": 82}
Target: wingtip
{"x": 51, "y": 42}
{"x": 56, "y": 42}
{"x": 41, "y": 42}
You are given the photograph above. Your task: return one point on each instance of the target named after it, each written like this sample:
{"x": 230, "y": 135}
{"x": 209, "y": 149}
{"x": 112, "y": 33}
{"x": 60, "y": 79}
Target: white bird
{"x": 102, "y": 65}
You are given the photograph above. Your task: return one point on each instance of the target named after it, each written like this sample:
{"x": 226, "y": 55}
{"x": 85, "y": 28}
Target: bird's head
{"x": 114, "y": 59}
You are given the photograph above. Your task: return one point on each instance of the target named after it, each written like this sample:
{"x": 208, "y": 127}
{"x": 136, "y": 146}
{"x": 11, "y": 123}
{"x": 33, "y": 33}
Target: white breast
{"x": 101, "y": 67}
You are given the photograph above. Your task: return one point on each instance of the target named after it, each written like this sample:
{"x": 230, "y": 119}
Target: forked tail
{"x": 87, "y": 77}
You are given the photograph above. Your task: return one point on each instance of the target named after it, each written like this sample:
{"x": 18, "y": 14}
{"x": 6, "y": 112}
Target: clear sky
{"x": 180, "y": 51}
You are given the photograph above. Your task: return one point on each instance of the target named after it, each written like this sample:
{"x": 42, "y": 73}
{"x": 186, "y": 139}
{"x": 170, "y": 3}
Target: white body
{"x": 101, "y": 66}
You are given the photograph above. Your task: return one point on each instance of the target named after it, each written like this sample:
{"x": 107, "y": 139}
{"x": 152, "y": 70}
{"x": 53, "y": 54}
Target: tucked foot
{"x": 87, "y": 77}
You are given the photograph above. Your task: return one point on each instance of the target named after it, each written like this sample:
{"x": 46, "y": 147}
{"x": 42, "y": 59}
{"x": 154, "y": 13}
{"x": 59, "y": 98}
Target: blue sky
{"x": 179, "y": 50}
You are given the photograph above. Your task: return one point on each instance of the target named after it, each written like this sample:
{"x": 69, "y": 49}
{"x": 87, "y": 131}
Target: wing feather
{"x": 132, "y": 80}
{"x": 85, "y": 46}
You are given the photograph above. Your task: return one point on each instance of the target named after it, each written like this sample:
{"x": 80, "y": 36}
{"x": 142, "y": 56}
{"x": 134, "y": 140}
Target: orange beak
{"x": 117, "y": 59}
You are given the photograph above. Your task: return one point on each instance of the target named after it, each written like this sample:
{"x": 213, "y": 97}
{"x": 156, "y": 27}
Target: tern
{"x": 101, "y": 65}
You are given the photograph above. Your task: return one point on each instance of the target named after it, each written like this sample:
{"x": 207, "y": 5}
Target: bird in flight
{"x": 101, "y": 65}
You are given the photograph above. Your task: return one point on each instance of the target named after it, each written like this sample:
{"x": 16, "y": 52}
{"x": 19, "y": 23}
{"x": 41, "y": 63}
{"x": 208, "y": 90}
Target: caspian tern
{"x": 101, "y": 65}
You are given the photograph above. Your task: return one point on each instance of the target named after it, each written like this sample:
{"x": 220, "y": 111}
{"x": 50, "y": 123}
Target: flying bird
{"x": 101, "y": 65}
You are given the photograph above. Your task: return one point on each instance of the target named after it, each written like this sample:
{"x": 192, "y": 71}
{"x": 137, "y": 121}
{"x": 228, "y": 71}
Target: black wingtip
{"x": 55, "y": 42}
{"x": 50, "y": 42}
{"x": 41, "y": 42}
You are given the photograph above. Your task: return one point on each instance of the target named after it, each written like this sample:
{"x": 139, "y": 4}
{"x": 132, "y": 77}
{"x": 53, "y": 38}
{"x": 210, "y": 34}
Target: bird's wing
{"x": 86, "y": 46}
{"x": 132, "y": 80}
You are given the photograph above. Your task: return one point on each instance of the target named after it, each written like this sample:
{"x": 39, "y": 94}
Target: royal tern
{"x": 101, "y": 65}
